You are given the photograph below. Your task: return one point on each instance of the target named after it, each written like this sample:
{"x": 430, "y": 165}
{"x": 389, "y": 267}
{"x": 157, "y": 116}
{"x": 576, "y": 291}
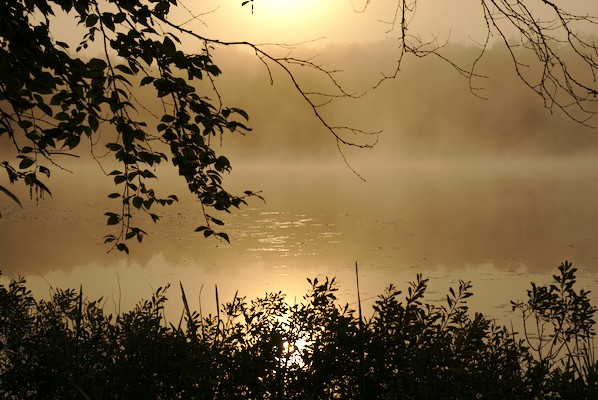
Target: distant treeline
{"x": 428, "y": 111}
{"x": 67, "y": 348}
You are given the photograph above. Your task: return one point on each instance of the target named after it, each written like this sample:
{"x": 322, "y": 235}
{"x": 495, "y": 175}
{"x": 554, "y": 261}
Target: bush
{"x": 67, "y": 348}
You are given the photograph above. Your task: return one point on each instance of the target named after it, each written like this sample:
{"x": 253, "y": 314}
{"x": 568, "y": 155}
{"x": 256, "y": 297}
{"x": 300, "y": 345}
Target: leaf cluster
{"x": 558, "y": 323}
{"x": 53, "y": 98}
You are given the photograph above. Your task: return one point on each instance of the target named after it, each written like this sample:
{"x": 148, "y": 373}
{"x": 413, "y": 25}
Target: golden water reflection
{"x": 124, "y": 284}
{"x": 500, "y": 228}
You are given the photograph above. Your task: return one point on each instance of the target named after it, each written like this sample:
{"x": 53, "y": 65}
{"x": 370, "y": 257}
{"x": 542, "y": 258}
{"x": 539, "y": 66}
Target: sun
{"x": 285, "y": 19}
{"x": 280, "y": 7}
{"x": 266, "y": 21}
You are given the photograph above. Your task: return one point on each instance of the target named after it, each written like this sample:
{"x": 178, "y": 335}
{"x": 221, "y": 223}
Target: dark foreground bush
{"x": 67, "y": 348}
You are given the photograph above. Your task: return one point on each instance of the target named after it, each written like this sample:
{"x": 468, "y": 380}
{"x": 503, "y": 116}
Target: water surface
{"x": 500, "y": 225}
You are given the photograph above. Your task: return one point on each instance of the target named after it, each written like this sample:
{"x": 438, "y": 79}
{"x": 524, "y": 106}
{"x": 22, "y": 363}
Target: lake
{"x": 499, "y": 224}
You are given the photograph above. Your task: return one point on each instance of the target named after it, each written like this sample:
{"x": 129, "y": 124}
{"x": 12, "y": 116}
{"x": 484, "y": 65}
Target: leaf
{"x": 108, "y": 21}
{"x": 73, "y": 141}
{"x": 124, "y": 68}
{"x": 26, "y": 163}
{"x": 222, "y": 164}
{"x": 94, "y": 124}
{"x": 42, "y": 186}
{"x": 25, "y": 124}
{"x": 217, "y": 221}
{"x": 119, "y": 18}
{"x": 9, "y": 194}
{"x": 45, "y": 108}
{"x": 223, "y": 236}
{"x": 61, "y": 116}
{"x": 113, "y": 219}
{"x": 44, "y": 170}
{"x": 137, "y": 202}
{"x": 96, "y": 64}
{"x": 91, "y": 20}
{"x": 113, "y": 146}
{"x": 168, "y": 47}
{"x": 113, "y": 195}
{"x": 148, "y": 57}
{"x": 122, "y": 247}
{"x": 242, "y": 113}
{"x": 147, "y": 80}
{"x": 167, "y": 118}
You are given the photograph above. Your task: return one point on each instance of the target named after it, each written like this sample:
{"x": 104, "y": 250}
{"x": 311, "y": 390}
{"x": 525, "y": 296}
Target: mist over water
{"x": 496, "y": 191}
{"x": 492, "y": 223}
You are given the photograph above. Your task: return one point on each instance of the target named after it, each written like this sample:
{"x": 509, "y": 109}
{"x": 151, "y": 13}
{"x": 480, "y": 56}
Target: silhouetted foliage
{"x": 52, "y": 97}
{"x": 267, "y": 349}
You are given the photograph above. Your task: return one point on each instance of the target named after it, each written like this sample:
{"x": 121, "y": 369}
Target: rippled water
{"x": 500, "y": 226}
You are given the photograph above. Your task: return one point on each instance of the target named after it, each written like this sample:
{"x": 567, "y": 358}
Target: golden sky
{"x": 341, "y": 21}
{"x": 327, "y": 21}
{"x": 292, "y": 21}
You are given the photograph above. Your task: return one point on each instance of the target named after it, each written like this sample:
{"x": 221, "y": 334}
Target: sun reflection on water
{"x": 292, "y": 352}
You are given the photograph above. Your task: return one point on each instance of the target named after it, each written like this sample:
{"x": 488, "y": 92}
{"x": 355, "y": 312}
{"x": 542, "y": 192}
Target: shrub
{"x": 266, "y": 349}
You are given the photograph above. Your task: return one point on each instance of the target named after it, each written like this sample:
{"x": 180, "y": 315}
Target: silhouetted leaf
{"x": 46, "y": 109}
{"x": 124, "y": 68}
{"x": 9, "y": 194}
{"x": 168, "y": 47}
{"x": 91, "y": 20}
{"x": 44, "y": 170}
{"x": 26, "y": 163}
{"x": 223, "y": 236}
{"x": 97, "y": 64}
{"x": 147, "y": 80}
{"x": 137, "y": 202}
{"x": 94, "y": 124}
{"x": 119, "y": 18}
{"x": 113, "y": 219}
{"x": 122, "y": 247}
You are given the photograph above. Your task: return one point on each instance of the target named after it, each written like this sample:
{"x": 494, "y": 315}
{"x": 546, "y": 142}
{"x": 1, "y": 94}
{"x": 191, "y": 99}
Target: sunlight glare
{"x": 294, "y": 351}
{"x": 285, "y": 20}
{"x": 285, "y": 8}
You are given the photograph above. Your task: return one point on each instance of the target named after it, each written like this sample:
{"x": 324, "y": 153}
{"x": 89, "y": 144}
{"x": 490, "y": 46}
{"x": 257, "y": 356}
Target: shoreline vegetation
{"x": 266, "y": 348}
